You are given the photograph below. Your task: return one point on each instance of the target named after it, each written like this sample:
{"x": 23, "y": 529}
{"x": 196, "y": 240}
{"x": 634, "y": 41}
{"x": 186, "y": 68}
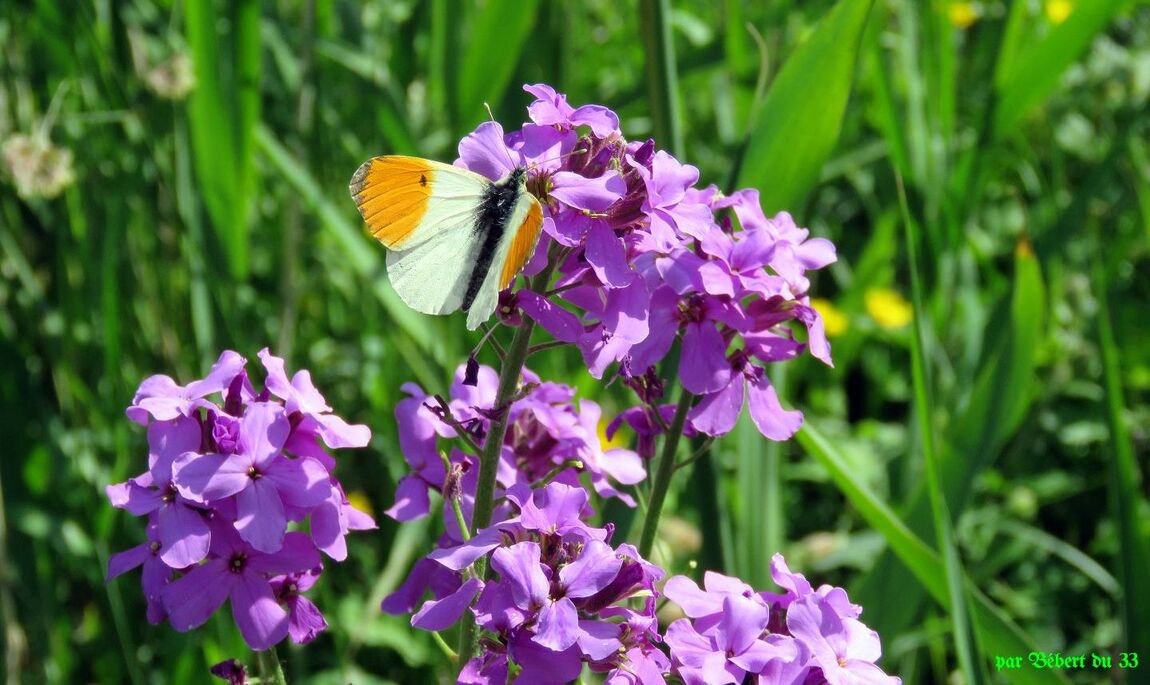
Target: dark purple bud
{"x": 233, "y": 399}
{"x": 508, "y": 310}
{"x": 471, "y": 375}
{"x": 232, "y": 671}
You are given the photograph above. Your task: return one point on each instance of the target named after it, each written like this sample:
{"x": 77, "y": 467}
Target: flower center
{"x": 237, "y": 562}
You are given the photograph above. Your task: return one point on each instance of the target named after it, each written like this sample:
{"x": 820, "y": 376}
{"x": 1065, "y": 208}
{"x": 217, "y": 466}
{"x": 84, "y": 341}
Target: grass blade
{"x": 998, "y": 634}
{"x": 498, "y": 35}
{"x": 1003, "y": 392}
{"x": 924, "y": 414}
{"x": 809, "y": 94}
{"x": 1125, "y": 488}
{"x": 662, "y": 75}
{"x": 223, "y": 111}
{"x": 1004, "y": 387}
{"x": 1036, "y": 72}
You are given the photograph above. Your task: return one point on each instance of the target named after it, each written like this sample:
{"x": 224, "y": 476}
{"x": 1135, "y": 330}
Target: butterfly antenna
{"x": 514, "y": 164}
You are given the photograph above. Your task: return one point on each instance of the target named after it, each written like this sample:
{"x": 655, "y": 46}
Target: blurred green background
{"x": 174, "y": 183}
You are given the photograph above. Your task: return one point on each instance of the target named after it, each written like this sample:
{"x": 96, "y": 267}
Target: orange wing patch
{"x": 392, "y": 193}
{"x": 522, "y": 245}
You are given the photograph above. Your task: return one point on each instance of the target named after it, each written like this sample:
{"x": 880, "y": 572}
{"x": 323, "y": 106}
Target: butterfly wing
{"x": 516, "y": 246}
{"x": 424, "y": 212}
{"x": 407, "y": 201}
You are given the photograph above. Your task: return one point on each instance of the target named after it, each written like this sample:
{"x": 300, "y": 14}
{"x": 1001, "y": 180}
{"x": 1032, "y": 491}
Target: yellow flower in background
{"x": 835, "y": 323}
{"x": 1058, "y": 10}
{"x": 889, "y": 309}
{"x": 357, "y": 499}
{"x": 962, "y": 14}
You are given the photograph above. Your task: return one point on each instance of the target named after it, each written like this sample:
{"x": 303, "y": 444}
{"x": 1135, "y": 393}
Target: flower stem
{"x": 268, "y": 669}
{"x": 509, "y": 375}
{"x": 663, "y": 475}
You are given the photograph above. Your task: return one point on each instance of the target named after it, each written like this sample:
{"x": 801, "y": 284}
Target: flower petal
{"x": 716, "y": 414}
{"x": 519, "y": 565}
{"x": 443, "y": 613}
{"x": 261, "y": 521}
{"x": 261, "y": 620}
{"x": 558, "y": 626}
{"x": 184, "y": 535}
{"x": 772, "y": 420}
{"x": 703, "y": 367}
{"x": 193, "y": 598}
{"x": 608, "y": 256}
{"x": 211, "y": 476}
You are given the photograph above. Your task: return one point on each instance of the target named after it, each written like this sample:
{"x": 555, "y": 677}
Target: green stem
{"x": 509, "y": 375}
{"x": 663, "y": 475}
{"x": 268, "y": 668}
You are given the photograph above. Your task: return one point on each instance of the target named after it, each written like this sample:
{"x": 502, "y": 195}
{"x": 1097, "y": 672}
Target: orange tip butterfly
{"x": 455, "y": 239}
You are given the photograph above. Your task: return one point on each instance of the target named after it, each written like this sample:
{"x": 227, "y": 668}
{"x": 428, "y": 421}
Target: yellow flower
{"x": 1058, "y": 10}
{"x": 834, "y": 321}
{"x": 360, "y": 501}
{"x": 962, "y": 14}
{"x": 889, "y": 309}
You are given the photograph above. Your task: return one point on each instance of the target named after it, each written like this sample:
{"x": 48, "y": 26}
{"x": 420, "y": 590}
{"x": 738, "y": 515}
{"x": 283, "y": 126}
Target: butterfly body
{"x": 455, "y": 238}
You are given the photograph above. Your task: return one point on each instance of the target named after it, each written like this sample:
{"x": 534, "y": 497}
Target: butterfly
{"x": 455, "y": 239}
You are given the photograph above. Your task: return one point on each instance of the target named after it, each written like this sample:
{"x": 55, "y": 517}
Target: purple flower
{"x": 644, "y": 257}
{"x": 559, "y": 593}
{"x": 222, "y": 484}
{"x": 261, "y": 477}
{"x": 180, "y": 527}
{"x": 728, "y": 650}
{"x": 551, "y": 109}
{"x": 550, "y": 435}
{"x": 155, "y": 576}
{"x": 717, "y": 413}
{"x": 160, "y": 396}
{"x": 305, "y": 621}
{"x": 240, "y": 573}
{"x": 803, "y": 635}
{"x": 843, "y": 648}
{"x": 301, "y": 397}
{"x": 231, "y": 671}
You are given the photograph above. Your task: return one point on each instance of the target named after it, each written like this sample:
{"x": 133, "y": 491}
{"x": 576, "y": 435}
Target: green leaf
{"x": 1125, "y": 488}
{"x": 799, "y": 123}
{"x": 498, "y": 35}
{"x": 924, "y": 413}
{"x": 1034, "y": 75}
{"x": 662, "y": 76}
{"x": 223, "y": 110}
{"x": 1003, "y": 393}
{"x": 1004, "y": 387}
{"x": 997, "y": 633}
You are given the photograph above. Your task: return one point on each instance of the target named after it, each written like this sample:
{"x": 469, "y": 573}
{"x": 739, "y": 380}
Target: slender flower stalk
{"x": 663, "y": 475}
{"x": 509, "y": 375}
{"x": 268, "y": 669}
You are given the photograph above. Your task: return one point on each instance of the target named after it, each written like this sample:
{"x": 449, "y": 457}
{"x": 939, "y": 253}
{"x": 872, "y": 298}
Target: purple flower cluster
{"x": 644, "y": 257}
{"x": 557, "y": 602}
{"x": 549, "y": 436}
{"x": 558, "y": 598}
{"x": 803, "y": 636}
{"x": 222, "y": 485}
